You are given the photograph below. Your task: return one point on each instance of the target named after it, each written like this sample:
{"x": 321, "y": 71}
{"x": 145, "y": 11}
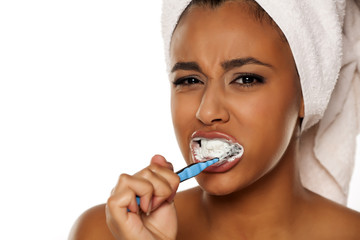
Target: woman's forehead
{"x": 227, "y": 32}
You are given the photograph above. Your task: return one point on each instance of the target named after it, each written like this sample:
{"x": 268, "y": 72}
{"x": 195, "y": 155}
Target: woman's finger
{"x": 138, "y": 187}
{"x": 165, "y": 183}
{"x": 123, "y": 224}
{"x": 161, "y": 161}
{"x": 166, "y": 170}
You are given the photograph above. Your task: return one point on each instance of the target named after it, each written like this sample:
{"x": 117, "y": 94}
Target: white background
{"x": 84, "y": 96}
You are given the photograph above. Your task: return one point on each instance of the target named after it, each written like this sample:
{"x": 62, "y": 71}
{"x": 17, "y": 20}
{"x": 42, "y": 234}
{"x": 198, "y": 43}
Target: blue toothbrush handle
{"x": 190, "y": 171}
{"x": 194, "y": 169}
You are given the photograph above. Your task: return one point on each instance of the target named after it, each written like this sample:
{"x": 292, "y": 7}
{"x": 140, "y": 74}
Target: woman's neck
{"x": 271, "y": 202}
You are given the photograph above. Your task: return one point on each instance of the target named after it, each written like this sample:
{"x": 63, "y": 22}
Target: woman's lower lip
{"x": 224, "y": 167}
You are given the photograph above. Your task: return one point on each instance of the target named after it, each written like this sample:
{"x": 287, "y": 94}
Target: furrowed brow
{"x": 186, "y": 66}
{"x": 238, "y": 62}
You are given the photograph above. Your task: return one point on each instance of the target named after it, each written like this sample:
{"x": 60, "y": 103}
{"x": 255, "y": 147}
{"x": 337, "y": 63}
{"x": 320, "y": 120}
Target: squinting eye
{"x": 186, "y": 81}
{"x": 249, "y": 80}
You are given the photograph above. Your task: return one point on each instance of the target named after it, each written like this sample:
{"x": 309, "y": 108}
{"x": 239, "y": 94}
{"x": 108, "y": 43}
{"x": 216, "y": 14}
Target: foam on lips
{"x": 205, "y": 149}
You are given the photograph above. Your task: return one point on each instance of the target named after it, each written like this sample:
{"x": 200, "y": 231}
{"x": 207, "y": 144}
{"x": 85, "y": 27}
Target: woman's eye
{"x": 187, "y": 81}
{"x": 249, "y": 80}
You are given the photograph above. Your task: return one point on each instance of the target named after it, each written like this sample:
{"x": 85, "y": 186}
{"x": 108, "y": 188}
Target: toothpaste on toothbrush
{"x": 205, "y": 149}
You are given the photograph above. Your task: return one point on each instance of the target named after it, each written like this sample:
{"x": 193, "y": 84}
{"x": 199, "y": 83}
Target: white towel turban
{"x": 324, "y": 37}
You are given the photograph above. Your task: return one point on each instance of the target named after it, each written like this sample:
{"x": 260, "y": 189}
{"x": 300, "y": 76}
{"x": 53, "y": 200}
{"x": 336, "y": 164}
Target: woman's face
{"x": 234, "y": 78}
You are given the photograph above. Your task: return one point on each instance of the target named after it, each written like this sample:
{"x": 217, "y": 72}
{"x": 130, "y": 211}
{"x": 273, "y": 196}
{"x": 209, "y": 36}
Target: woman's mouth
{"x": 208, "y": 145}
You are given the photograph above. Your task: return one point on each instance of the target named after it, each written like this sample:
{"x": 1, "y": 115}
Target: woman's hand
{"x": 155, "y": 218}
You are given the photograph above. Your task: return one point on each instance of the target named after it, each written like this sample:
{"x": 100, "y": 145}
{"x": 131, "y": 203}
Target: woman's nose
{"x": 211, "y": 109}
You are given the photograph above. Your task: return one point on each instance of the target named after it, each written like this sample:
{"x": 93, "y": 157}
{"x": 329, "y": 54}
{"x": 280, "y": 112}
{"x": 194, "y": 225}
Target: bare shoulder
{"x": 345, "y": 221}
{"x": 334, "y": 221}
{"x": 91, "y": 225}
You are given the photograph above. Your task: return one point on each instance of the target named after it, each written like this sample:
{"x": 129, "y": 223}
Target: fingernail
{"x": 170, "y": 166}
{"x": 149, "y": 208}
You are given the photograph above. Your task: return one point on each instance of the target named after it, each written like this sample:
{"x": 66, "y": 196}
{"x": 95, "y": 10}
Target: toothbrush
{"x": 190, "y": 171}
{"x": 194, "y": 169}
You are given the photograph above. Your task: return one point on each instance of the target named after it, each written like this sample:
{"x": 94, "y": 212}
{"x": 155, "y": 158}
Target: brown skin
{"x": 262, "y": 196}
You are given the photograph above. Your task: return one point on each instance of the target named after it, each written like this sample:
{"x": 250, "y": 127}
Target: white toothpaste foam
{"x": 205, "y": 149}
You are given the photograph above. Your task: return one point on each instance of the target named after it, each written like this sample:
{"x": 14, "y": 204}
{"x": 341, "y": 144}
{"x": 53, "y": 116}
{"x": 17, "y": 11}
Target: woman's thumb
{"x": 160, "y": 160}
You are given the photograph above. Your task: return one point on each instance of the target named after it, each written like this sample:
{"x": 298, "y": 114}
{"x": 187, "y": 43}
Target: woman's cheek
{"x": 184, "y": 120}
{"x": 263, "y": 127}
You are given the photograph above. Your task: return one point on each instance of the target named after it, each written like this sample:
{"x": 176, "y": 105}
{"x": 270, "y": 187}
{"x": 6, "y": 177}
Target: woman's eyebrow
{"x": 186, "y": 66}
{"x": 226, "y": 65}
{"x": 238, "y": 62}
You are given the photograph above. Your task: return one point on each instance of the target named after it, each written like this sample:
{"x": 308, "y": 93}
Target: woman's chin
{"x": 219, "y": 188}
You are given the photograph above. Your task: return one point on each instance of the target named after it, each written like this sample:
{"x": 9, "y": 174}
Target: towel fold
{"x": 324, "y": 37}
{"x": 332, "y": 154}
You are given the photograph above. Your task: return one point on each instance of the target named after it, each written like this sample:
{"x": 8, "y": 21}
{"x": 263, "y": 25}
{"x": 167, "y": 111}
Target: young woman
{"x": 234, "y": 79}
